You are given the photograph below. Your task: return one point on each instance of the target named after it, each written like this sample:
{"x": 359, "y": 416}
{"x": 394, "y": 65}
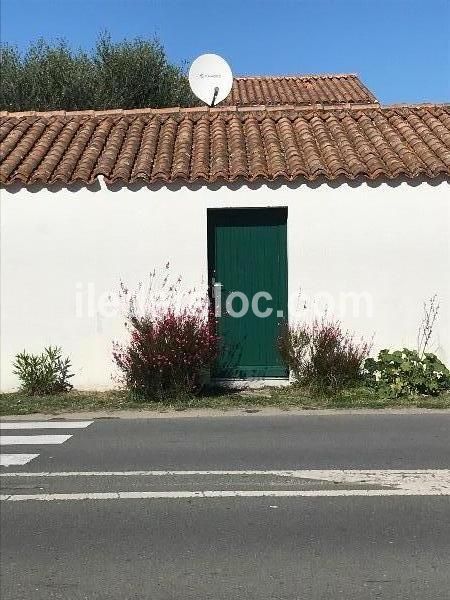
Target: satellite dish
{"x": 210, "y": 78}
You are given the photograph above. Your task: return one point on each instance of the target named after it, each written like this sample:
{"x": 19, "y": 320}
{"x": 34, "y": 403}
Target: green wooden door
{"x": 247, "y": 258}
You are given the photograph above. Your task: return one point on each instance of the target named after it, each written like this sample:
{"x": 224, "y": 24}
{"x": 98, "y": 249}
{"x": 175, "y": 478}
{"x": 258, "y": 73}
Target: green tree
{"x": 128, "y": 74}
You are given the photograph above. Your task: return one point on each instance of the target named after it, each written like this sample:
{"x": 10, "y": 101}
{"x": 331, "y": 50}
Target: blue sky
{"x": 400, "y": 48}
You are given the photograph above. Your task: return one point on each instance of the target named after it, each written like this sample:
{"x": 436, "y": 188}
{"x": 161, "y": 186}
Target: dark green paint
{"x": 247, "y": 252}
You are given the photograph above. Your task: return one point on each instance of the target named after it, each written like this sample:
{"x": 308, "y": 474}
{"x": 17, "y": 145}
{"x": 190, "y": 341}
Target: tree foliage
{"x": 128, "y": 74}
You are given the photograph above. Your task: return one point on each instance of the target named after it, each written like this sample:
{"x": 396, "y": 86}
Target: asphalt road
{"x": 156, "y": 535}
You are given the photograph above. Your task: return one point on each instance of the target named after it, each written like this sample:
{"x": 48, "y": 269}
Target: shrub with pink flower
{"x": 170, "y": 350}
{"x": 321, "y": 353}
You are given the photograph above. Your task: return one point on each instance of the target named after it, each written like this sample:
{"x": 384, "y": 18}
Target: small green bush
{"x": 404, "y": 372}
{"x": 43, "y": 374}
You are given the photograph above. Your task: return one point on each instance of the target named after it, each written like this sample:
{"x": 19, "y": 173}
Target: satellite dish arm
{"x": 216, "y": 91}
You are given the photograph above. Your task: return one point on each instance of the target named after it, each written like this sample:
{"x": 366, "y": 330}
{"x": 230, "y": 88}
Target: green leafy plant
{"x": 322, "y": 354}
{"x": 403, "y": 372}
{"x": 43, "y": 374}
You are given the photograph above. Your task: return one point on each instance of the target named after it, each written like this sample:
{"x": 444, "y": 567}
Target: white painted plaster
{"x": 389, "y": 244}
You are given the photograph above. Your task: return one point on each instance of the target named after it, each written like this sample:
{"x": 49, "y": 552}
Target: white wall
{"x": 388, "y": 245}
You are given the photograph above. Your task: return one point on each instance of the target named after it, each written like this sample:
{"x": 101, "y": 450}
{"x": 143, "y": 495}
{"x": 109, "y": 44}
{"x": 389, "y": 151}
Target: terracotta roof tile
{"x": 146, "y": 153}
{"x": 225, "y": 144}
{"x": 298, "y": 90}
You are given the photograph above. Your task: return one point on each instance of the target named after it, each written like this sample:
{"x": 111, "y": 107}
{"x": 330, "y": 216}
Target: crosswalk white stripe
{"x": 7, "y": 460}
{"x": 4, "y": 425}
{"x": 32, "y": 440}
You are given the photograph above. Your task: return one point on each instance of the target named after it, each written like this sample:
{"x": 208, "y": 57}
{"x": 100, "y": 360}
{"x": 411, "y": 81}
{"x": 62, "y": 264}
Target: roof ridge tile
{"x": 223, "y": 109}
{"x": 297, "y": 76}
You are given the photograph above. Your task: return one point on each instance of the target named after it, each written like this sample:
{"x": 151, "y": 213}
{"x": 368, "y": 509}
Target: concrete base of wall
{"x": 240, "y": 384}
